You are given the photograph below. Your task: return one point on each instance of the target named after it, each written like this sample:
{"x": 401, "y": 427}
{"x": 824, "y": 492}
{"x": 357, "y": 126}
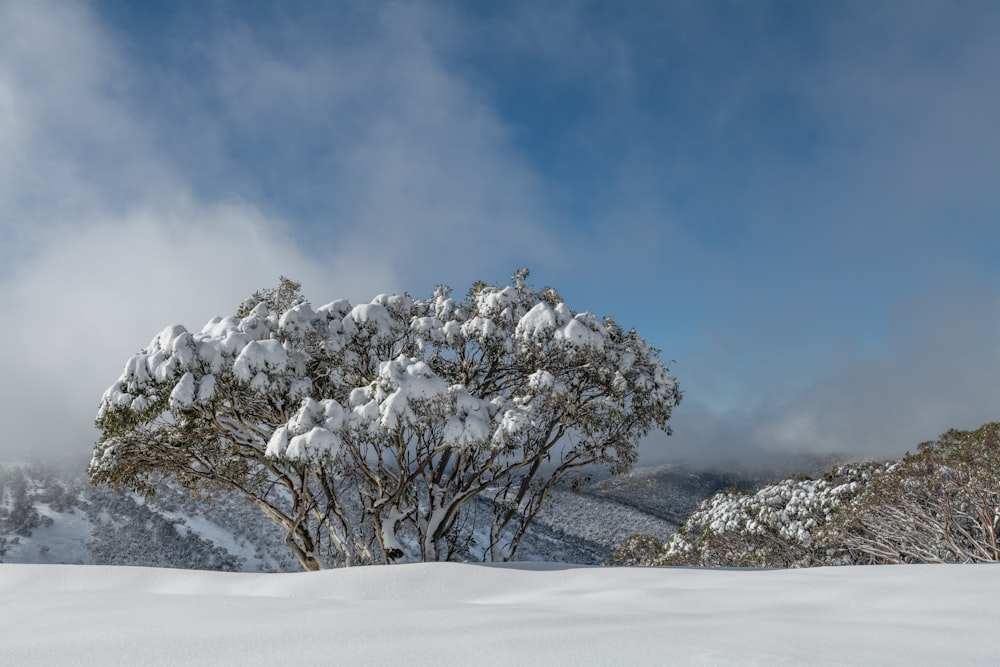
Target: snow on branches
{"x": 781, "y": 525}
{"x": 399, "y": 410}
{"x": 940, "y": 504}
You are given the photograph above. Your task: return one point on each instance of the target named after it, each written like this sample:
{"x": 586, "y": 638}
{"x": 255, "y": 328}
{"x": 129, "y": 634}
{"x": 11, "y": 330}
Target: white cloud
{"x": 98, "y": 293}
{"x": 106, "y": 238}
{"x": 933, "y": 370}
{"x": 937, "y": 373}
{"x": 385, "y": 146}
{"x": 71, "y": 146}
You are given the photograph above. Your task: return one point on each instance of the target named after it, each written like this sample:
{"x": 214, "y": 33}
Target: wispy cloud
{"x": 120, "y": 217}
{"x": 373, "y": 144}
{"x": 848, "y": 296}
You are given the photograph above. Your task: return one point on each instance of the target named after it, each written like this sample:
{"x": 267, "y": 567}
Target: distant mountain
{"x": 52, "y": 517}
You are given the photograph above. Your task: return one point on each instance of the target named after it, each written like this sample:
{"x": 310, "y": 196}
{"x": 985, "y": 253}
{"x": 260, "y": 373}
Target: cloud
{"x": 70, "y": 145}
{"x": 847, "y": 299}
{"x": 938, "y": 373}
{"x": 131, "y": 200}
{"x": 375, "y": 145}
{"x": 99, "y": 292}
{"x": 934, "y": 369}
{"x": 101, "y": 245}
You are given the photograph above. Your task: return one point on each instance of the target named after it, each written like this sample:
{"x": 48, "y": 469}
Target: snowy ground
{"x": 457, "y": 614}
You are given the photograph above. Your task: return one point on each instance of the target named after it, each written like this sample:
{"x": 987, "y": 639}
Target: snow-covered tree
{"x": 363, "y": 430}
{"x": 938, "y": 505}
{"x": 782, "y": 525}
{"x": 637, "y": 549}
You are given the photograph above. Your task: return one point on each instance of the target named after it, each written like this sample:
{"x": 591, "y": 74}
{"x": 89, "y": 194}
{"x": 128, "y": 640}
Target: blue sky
{"x": 796, "y": 202}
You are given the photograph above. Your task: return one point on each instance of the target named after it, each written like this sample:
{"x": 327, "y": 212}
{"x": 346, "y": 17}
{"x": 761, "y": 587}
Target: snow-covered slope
{"x": 51, "y": 517}
{"x": 47, "y": 517}
{"x": 461, "y": 614}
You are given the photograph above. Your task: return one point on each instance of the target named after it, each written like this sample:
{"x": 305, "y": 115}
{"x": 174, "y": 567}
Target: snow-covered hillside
{"x": 52, "y": 517}
{"x": 462, "y": 614}
{"x": 48, "y": 517}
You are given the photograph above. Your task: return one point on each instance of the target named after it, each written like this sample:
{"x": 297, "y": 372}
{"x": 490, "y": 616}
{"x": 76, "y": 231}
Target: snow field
{"x": 462, "y": 614}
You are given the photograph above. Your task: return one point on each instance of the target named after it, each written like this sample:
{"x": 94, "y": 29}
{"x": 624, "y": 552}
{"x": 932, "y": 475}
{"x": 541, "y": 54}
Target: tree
{"x": 784, "y": 524}
{"x": 365, "y": 430}
{"x": 938, "y": 505}
{"x": 637, "y": 549}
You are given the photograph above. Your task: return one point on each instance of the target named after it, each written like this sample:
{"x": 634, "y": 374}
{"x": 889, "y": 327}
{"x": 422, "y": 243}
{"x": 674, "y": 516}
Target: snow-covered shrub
{"x": 637, "y": 549}
{"x": 938, "y": 505}
{"x": 363, "y": 430}
{"x": 781, "y": 525}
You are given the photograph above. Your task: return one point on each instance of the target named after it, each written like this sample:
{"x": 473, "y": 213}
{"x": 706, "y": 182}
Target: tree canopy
{"x": 940, "y": 504}
{"x": 369, "y": 431}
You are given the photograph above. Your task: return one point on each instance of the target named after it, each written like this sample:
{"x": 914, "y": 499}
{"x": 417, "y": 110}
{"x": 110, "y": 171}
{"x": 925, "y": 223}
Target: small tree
{"x": 784, "y": 524}
{"x": 637, "y": 549}
{"x": 938, "y": 505}
{"x": 364, "y": 430}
